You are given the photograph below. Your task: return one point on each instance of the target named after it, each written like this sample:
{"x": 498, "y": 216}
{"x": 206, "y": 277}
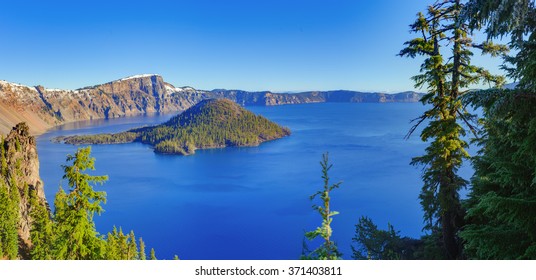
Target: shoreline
{"x": 49, "y": 129}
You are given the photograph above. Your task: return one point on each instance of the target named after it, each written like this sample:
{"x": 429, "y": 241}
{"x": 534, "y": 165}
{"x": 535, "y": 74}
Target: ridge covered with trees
{"x": 213, "y": 123}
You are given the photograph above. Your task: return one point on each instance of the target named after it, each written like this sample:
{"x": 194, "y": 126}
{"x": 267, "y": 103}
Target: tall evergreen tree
{"x": 76, "y": 235}
{"x": 71, "y": 232}
{"x": 9, "y": 246}
{"x": 153, "y": 255}
{"x": 502, "y": 201}
{"x": 41, "y": 232}
{"x": 328, "y": 250}
{"x": 446, "y": 79}
{"x": 120, "y": 246}
{"x": 112, "y": 245}
{"x": 142, "y": 250}
{"x": 133, "y": 253}
{"x": 122, "y": 242}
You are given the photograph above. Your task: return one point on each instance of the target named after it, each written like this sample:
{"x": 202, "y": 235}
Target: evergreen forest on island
{"x": 212, "y": 123}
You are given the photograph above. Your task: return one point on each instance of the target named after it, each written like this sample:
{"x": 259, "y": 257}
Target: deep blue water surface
{"x": 253, "y": 203}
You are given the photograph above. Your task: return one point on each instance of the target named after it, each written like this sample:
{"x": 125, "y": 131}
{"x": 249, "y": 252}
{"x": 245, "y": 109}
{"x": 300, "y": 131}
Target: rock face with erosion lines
{"x": 20, "y": 173}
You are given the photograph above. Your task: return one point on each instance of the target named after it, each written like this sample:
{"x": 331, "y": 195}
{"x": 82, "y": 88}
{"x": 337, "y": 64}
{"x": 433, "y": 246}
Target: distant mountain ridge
{"x": 44, "y": 108}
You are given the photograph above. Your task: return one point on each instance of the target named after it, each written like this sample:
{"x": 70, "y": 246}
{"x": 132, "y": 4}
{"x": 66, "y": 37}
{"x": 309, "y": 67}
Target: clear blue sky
{"x": 279, "y": 45}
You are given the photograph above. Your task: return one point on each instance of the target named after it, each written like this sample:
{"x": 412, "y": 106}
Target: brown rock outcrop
{"x": 23, "y": 172}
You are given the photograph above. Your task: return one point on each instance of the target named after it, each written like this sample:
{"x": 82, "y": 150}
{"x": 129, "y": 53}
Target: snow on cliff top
{"x": 137, "y": 76}
{"x": 15, "y": 85}
{"x": 170, "y": 89}
{"x": 56, "y": 89}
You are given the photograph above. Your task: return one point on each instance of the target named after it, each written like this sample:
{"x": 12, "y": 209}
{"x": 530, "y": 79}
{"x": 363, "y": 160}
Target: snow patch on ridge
{"x": 15, "y": 85}
{"x": 22, "y": 93}
{"x": 170, "y": 89}
{"x": 136, "y": 77}
{"x": 55, "y": 89}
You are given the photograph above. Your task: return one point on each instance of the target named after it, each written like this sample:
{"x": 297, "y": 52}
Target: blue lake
{"x": 253, "y": 203}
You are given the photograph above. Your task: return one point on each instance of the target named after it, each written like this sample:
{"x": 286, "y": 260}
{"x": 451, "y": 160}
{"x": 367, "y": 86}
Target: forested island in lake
{"x": 212, "y": 123}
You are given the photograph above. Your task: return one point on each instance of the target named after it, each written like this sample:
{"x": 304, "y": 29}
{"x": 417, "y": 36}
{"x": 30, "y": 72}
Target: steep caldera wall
{"x": 19, "y": 179}
{"x": 43, "y": 108}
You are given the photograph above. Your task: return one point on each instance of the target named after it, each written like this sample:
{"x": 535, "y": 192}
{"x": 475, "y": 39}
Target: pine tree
{"x": 375, "y": 244}
{"x": 447, "y": 81}
{"x": 516, "y": 19}
{"x": 41, "y": 232}
{"x": 76, "y": 235}
{"x": 502, "y": 202}
{"x": 71, "y": 233}
{"x": 8, "y": 222}
{"x": 153, "y": 256}
{"x": 112, "y": 247}
{"x": 123, "y": 247}
{"x": 328, "y": 250}
{"x": 122, "y": 244}
{"x": 133, "y": 253}
{"x": 142, "y": 250}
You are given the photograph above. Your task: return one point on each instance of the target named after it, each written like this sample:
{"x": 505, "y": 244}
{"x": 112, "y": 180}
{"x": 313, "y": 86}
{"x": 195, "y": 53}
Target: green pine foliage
{"x": 212, "y": 123}
{"x": 502, "y": 202}
{"x": 76, "y": 236}
{"x": 447, "y": 79}
{"x": 9, "y": 208}
{"x": 42, "y": 231}
{"x": 71, "y": 233}
{"x": 372, "y": 243}
{"x": 515, "y": 19}
{"x": 132, "y": 247}
{"x": 113, "y": 251}
{"x": 120, "y": 246}
{"x": 8, "y": 222}
{"x": 430, "y": 247}
{"x": 328, "y": 250}
{"x": 142, "y": 250}
{"x": 105, "y": 138}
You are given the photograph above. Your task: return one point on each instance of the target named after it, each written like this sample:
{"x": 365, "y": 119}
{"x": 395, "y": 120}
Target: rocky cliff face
{"x": 125, "y": 97}
{"x": 22, "y": 173}
{"x": 19, "y": 103}
{"x": 43, "y": 108}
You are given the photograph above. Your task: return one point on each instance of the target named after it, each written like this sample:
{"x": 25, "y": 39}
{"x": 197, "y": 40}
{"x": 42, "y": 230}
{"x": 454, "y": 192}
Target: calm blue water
{"x": 253, "y": 203}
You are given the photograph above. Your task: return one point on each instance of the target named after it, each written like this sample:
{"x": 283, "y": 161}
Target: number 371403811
{"x": 313, "y": 270}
